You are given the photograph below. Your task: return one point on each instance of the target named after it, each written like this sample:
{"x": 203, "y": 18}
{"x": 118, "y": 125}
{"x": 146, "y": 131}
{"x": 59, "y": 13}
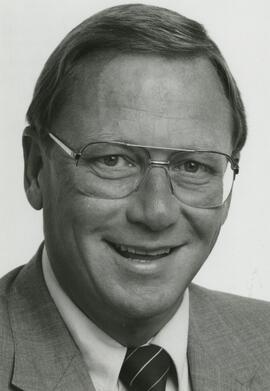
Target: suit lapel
{"x": 218, "y": 360}
{"x": 75, "y": 378}
{"x": 46, "y": 357}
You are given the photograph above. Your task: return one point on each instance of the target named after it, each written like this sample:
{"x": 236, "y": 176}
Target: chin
{"x": 148, "y": 307}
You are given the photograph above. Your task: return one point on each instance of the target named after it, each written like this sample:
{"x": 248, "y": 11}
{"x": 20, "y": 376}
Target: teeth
{"x": 141, "y": 252}
{"x": 130, "y": 250}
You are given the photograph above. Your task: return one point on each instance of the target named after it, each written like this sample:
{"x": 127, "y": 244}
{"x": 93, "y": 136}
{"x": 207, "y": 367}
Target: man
{"x": 133, "y": 144}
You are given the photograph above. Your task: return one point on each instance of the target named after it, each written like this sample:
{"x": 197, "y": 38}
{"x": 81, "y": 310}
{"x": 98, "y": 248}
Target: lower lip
{"x": 143, "y": 266}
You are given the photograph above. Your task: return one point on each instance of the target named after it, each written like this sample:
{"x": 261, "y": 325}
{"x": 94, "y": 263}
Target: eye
{"x": 192, "y": 166}
{"x": 111, "y": 160}
{"x": 114, "y": 161}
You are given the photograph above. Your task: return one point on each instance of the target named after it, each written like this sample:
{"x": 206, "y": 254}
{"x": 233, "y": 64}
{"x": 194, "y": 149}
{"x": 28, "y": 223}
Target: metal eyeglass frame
{"x": 151, "y": 163}
{"x": 156, "y": 163}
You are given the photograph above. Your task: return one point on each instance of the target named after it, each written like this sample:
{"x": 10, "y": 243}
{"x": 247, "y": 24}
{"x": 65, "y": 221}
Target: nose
{"x": 153, "y": 204}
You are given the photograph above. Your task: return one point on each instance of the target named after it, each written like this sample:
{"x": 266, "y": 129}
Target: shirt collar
{"x": 102, "y": 354}
{"x": 173, "y": 337}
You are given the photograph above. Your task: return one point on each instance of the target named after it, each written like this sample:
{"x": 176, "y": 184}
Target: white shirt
{"x": 103, "y": 355}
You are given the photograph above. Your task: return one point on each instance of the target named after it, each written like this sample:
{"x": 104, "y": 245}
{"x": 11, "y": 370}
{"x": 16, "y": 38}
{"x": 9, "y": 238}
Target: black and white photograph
{"x": 135, "y": 195}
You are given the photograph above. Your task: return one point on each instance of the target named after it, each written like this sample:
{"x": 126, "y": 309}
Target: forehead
{"x": 148, "y": 100}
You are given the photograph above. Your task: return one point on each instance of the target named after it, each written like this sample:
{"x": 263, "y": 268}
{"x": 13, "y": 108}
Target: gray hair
{"x": 131, "y": 28}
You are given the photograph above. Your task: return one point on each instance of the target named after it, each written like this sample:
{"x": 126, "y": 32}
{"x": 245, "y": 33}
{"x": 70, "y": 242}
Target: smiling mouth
{"x": 141, "y": 253}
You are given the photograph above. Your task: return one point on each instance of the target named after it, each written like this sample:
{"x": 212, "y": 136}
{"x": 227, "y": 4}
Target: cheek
{"x": 94, "y": 215}
{"x": 205, "y": 224}
{"x": 87, "y": 220}
{"x": 66, "y": 202}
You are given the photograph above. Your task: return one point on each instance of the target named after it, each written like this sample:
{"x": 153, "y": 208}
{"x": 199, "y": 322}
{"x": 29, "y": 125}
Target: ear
{"x": 32, "y": 168}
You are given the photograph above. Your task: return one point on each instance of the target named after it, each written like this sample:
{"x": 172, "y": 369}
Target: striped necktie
{"x": 145, "y": 368}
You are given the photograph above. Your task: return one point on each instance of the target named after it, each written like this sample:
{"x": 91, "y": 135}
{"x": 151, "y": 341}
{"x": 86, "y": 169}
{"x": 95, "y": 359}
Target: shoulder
{"x": 240, "y": 313}
{"x": 228, "y": 300}
{"x": 7, "y": 280}
{"x": 6, "y": 339}
{"x": 6, "y": 283}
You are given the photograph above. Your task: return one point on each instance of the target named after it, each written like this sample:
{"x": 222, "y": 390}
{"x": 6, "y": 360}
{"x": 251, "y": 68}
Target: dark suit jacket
{"x": 228, "y": 348}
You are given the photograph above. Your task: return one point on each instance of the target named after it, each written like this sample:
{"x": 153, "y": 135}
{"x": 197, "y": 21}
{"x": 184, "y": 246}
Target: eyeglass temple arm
{"x": 235, "y": 166}
{"x": 70, "y": 152}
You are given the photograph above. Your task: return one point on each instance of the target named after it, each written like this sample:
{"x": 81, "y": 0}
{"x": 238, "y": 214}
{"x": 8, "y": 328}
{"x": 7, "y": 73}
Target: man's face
{"x": 144, "y": 100}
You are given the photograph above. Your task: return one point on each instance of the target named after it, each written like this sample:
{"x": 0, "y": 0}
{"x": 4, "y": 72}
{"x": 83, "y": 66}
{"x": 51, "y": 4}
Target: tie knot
{"x": 145, "y": 368}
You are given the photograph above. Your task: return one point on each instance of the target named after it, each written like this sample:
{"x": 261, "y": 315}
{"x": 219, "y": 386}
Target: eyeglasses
{"x": 115, "y": 169}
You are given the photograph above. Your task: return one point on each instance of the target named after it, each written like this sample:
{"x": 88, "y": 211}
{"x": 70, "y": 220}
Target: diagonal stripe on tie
{"x": 145, "y": 368}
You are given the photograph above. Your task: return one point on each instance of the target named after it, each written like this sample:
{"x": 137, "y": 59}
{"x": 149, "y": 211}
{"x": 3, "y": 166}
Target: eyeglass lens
{"x": 199, "y": 179}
